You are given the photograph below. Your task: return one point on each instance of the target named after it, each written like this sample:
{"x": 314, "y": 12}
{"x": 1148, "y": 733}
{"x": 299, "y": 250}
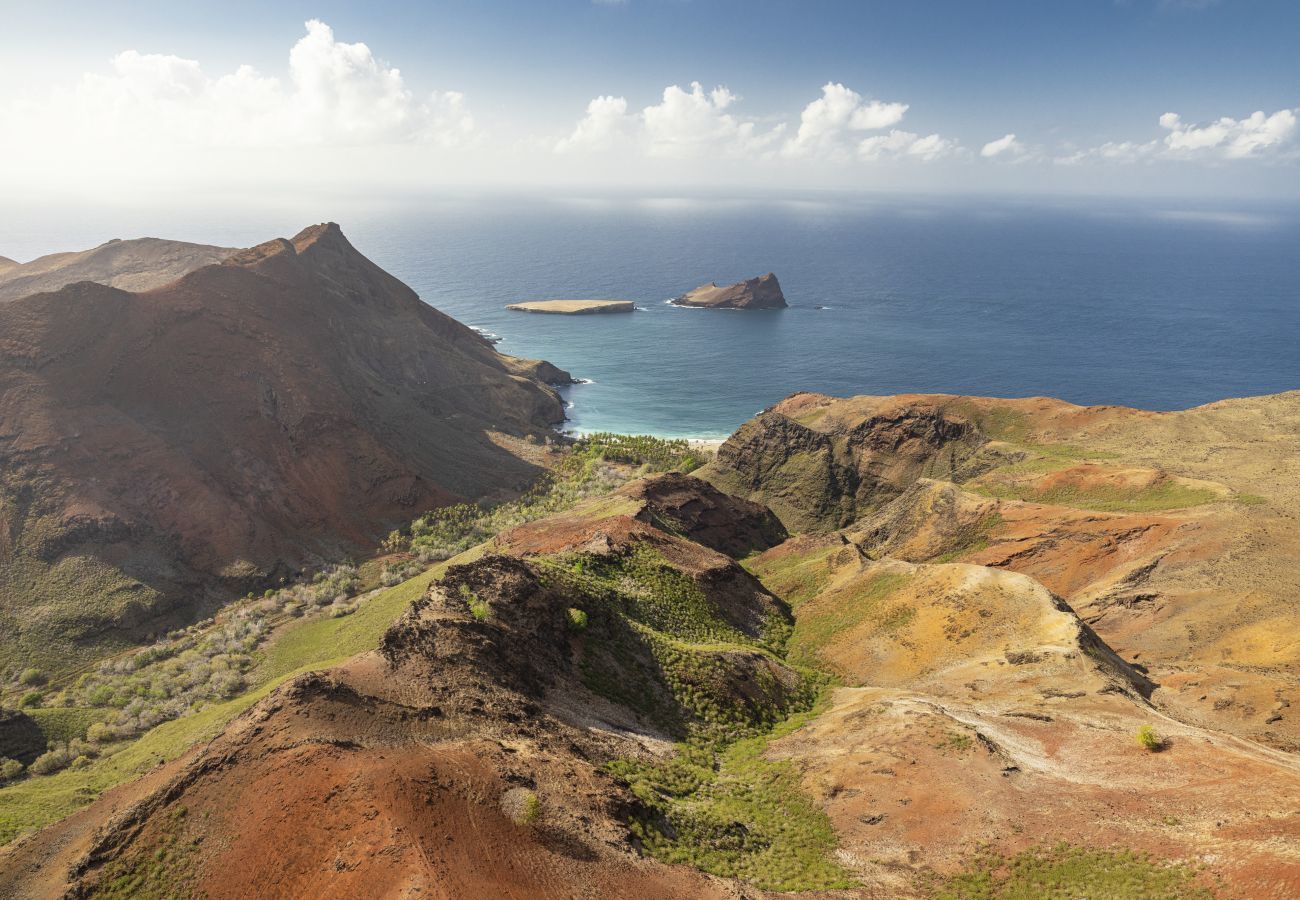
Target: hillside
{"x": 141, "y": 264}
{"x": 934, "y": 686}
{"x": 1172, "y": 534}
{"x": 162, "y": 451}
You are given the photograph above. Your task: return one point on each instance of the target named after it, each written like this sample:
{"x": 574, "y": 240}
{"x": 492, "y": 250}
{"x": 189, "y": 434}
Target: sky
{"x": 1097, "y": 97}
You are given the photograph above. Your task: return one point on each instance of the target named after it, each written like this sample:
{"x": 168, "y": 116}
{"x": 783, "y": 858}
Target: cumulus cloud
{"x": 696, "y": 123}
{"x": 684, "y": 124}
{"x": 605, "y": 126}
{"x": 336, "y": 93}
{"x": 690, "y": 123}
{"x": 830, "y": 124}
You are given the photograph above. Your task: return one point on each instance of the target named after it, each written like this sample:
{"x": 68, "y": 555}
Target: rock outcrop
{"x": 763, "y": 292}
{"x": 162, "y": 449}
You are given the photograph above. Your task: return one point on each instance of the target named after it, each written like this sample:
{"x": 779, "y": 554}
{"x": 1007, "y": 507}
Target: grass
{"x": 795, "y": 577}
{"x": 63, "y": 724}
{"x": 302, "y": 647}
{"x": 1066, "y": 871}
{"x": 816, "y": 627}
{"x": 732, "y": 812}
{"x": 654, "y": 642}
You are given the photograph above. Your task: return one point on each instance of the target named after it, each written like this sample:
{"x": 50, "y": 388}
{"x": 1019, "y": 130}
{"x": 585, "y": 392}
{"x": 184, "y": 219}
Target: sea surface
{"x": 1153, "y": 304}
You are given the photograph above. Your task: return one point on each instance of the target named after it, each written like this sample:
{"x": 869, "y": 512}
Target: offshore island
{"x": 763, "y": 292}
{"x": 574, "y": 307}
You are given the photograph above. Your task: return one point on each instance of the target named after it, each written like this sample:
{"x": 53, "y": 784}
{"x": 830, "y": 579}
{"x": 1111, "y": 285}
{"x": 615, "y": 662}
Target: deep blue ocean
{"x": 1155, "y": 305}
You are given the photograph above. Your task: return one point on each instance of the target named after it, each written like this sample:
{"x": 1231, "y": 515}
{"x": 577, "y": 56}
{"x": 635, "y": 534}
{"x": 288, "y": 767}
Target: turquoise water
{"x": 1151, "y": 305}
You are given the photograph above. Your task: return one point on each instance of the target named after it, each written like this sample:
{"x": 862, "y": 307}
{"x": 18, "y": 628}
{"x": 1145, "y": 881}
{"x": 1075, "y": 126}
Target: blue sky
{"x": 498, "y": 93}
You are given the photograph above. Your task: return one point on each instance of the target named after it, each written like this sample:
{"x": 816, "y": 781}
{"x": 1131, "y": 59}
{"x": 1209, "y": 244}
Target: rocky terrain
{"x": 163, "y": 450}
{"x": 763, "y": 292}
{"x": 972, "y": 643}
{"x": 136, "y": 265}
{"x": 575, "y": 307}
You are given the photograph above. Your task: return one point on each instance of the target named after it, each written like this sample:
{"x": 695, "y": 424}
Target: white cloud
{"x": 1007, "y": 147}
{"x": 699, "y": 124}
{"x": 907, "y": 145}
{"x": 337, "y": 93}
{"x": 1255, "y": 135}
{"x": 606, "y": 125}
{"x": 687, "y": 124}
{"x": 683, "y": 125}
{"x": 830, "y": 123}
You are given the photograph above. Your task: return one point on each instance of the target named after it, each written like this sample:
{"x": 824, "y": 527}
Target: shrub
{"x": 99, "y": 733}
{"x": 31, "y": 678}
{"x": 51, "y": 762}
{"x": 1149, "y": 740}
{"x": 9, "y": 769}
{"x": 577, "y": 619}
{"x": 523, "y": 806}
{"x": 479, "y": 609}
{"x": 30, "y": 699}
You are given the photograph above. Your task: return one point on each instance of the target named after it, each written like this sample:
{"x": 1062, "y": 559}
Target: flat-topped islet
{"x": 575, "y": 307}
{"x": 763, "y": 292}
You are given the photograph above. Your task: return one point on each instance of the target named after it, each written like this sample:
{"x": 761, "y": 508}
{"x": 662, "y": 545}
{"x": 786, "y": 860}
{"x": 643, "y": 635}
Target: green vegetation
{"x": 178, "y": 675}
{"x": 1066, "y": 871}
{"x": 1148, "y": 739}
{"x": 796, "y": 577}
{"x": 595, "y": 465}
{"x": 860, "y": 601}
{"x": 658, "y": 454}
{"x": 577, "y": 619}
{"x": 10, "y": 769}
{"x": 151, "y": 704}
{"x": 656, "y": 644}
{"x": 478, "y": 608}
{"x": 728, "y": 810}
{"x": 61, "y": 724}
{"x": 305, "y": 645}
{"x": 165, "y": 874}
{"x": 31, "y": 678}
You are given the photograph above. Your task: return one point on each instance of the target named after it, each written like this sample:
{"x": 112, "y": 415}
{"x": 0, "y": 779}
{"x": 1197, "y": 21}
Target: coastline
{"x": 707, "y": 444}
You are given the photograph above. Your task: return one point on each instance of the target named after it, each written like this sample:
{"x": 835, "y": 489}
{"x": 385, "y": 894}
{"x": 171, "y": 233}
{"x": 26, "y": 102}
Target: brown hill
{"x": 463, "y": 757}
{"x": 136, "y": 265}
{"x": 161, "y": 449}
{"x": 469, "y": 755}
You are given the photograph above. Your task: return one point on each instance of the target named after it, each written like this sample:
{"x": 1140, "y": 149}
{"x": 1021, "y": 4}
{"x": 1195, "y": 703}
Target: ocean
{"x": 1147, "y": 304}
